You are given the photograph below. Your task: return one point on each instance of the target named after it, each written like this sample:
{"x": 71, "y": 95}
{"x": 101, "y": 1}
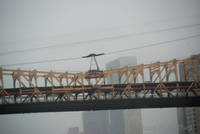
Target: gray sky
{"x": 32, "y": 24}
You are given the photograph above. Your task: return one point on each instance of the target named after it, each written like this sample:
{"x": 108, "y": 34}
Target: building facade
{"x": 114, "y": 121}
{"x": 74, "y": 130}
{"x": 188, "y": 118}
{"x": 130, "y": 120}
{"x": 95, "y": 122}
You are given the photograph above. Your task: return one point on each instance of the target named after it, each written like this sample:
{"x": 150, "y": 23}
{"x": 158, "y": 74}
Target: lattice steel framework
{"x": 157, "y": 80}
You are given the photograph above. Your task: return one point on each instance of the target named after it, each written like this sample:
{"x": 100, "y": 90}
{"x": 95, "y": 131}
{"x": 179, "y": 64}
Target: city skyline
{"x": 44, "y": 30}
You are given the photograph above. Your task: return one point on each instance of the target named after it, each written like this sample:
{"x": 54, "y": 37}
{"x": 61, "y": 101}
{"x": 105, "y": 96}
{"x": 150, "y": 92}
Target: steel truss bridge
{"x": 161, "y": 84}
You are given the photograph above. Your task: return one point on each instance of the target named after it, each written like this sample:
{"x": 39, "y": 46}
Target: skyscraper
{"x": 114, "y": 121}
{"x": 74, "y": 130}
{"x": 133, "y": 121}
{"x": 139, "y": 121}
{"x": 130, "y": 120}
{"x": 188, "y": 118}
{"x": 95, "y": 122}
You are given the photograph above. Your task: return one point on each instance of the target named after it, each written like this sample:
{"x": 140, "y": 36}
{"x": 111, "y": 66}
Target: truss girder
{"x": 156, "y": 80}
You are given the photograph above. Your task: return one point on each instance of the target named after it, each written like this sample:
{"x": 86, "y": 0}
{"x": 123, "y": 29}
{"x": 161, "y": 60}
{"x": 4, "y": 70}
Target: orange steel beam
{"x": 71, "y": 84}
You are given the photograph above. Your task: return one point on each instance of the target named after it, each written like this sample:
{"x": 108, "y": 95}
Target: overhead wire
{"x": 152, "y": 45}
{"x": 108, "y": 53}
{"x": 99, "y": 39}
{"x": 42, "y": 61}
{"x": 174, "y": 19}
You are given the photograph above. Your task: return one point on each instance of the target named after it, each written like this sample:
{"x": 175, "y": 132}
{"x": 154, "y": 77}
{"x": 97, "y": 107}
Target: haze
{"x": 86, "y": 27}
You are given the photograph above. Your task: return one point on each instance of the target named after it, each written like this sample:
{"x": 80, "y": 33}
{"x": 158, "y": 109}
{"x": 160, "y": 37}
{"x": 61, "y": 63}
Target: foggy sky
{"x": 32, "y": 24}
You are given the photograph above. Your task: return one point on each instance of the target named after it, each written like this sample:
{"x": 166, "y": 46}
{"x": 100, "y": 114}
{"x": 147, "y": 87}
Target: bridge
{"x": 174, "y": 83}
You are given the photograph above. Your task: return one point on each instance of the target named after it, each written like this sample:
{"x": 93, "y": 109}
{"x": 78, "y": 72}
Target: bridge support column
{"x": 2, "y": 91}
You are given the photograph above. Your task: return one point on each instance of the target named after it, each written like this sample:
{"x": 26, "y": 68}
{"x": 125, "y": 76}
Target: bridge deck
{"x": 77, "y": 98}
{"x": 38, "y": 91}
{"x": 100, "y": 105}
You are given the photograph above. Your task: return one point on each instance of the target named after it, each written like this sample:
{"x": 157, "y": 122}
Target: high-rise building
{"x": 114, "y": 121}
{"x": 95, "y": 122}
{"x": 130, "y": 120}
{"x": 74, "y": 130}
{"x": 139, "y": 121}
{"x": 133, "y": 121}
{"x": 188, "y": 118}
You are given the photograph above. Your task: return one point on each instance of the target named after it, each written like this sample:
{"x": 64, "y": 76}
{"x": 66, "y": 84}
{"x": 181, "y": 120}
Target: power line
{"x": 179, "y": 18}
{"x": 100, "y": 39}
{"x": 43, "y": 61}
{"x": 108, "y": 53}
{"x": 152, "y": 45}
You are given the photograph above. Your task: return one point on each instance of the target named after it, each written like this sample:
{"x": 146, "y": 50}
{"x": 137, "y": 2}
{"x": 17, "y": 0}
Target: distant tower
{"x": 74, "y": 130}
{"x": 188, "y": 118}
{"x": 114, "y": 121}
{"x": 95, "y": 122}
{"x": 124, "y": 121}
